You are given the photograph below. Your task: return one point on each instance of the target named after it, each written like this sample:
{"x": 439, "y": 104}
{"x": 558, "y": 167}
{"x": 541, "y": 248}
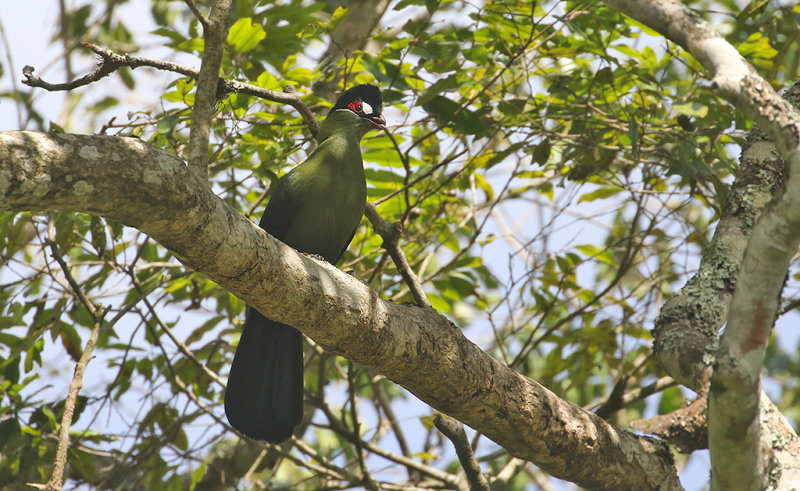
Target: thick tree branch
{"x": 147, "y": 188}
{"x": 735, "y": 435}
{"x": 687, "y": 326}
{"x": 734, "y": 426}
{"x": 684, "y": 428}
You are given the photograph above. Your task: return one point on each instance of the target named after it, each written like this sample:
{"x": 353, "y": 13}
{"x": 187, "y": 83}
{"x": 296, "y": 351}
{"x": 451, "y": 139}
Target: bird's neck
{"x": 342, "y": 124}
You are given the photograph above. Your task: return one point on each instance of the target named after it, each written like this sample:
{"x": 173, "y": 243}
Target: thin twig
{"x": 390, "y": 233}
{"x": 454, "y": 431}
{"x": 182, "y": 347}
{"x": 111, "y": 62}
{"x": 617, "y": 401}
{"x": 508, "y": 472}
{"x": 254, "y": 466}
{"x": 411, "y": 463}
{"x": 196, "y": 12}
{"x": 367, "y": 480}
{"x": 57, "y": 478}
{"x": 385, "y": 405}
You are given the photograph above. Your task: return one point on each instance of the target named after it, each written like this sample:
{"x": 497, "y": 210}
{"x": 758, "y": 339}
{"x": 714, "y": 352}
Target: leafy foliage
{"x": 556, "y": 169}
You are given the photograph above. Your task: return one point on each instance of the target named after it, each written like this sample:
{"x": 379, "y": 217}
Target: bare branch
{"x": 102, "y": 71}
{"x": 199, "y": 15}
{"x": 111, "y": 62}
{"x": 215, "y": 34}
{"x": 619, "y": 400}
{"x": 454, "y": 431}
{"x": 390, "y": 233}
{"x": 57, "y": 478}
{"x": 181, "y": 346}
{"x": 684, "y": 428}
{"x": 508, "y": 472}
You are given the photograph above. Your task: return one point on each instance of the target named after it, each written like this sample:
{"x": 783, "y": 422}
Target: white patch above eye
{"x": 366, "y": 108}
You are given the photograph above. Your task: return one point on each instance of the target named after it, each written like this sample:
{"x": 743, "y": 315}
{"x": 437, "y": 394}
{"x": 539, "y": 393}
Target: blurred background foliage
{"x": 557, "y": 169}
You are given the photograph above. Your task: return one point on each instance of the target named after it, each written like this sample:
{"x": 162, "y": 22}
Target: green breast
{"x": 327, "y": 193}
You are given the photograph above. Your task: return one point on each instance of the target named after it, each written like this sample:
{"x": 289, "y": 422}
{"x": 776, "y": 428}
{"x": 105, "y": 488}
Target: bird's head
{"x": 364, "y": 101}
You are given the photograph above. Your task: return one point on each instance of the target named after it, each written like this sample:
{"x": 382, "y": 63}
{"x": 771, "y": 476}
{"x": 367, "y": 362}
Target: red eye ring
{"x": 356, "y": 107}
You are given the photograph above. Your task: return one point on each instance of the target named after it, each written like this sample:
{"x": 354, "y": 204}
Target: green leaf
{"x": 449, "y": 113}
{"x": 600, "y": 193}
{"x": 83, "y": 463}
{"x": 671, "y": 399}
{"x": 167, "y": 124}
{"x": 431, "y": 5}
{"x": 482, "y": 183}
{"x": 757, "y": 46}
{"x": 595, "y": 252}
{"x": 604, "y": 76}
{"x": 424, "y": 455}
{"x": 198, "y": 475}
{"x": 547, "y": 190}
{"x": 541, "y": 152}
{"x": 691, "y": 109}
{"x": 79, "y": 20}
{"x": 9, "y": 429}
{"x": 244, "y": 35}
{"x": 126, "y": 77}
{"x": 441, "y": 85}
{"x": 175, "y": 483}
{"x": 170, "y": 34}
{"x": 71, "y": 341}
{"x": 338, "y": 16}
{"x": 405, "y": 3}
{"x": 180, "y": 440}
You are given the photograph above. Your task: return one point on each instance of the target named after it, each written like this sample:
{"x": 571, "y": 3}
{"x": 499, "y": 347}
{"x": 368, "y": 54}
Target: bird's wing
{"x": 346, "y": 245}
{"x": 280, "y": 213}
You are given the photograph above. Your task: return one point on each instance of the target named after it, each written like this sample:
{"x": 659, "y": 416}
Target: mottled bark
{"x": 684, "y": 428}
{"x": 687, "y": 327}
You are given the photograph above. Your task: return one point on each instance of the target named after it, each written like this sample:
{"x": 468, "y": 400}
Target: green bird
{"x": 315, "y": 208}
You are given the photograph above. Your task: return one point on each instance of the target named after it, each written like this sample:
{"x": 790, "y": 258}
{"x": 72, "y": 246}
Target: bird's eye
{"x": 356, "y": 107}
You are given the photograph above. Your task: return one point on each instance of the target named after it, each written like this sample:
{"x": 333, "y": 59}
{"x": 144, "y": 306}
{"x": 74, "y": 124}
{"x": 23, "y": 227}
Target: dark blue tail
{"x": 264, "y": 397}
